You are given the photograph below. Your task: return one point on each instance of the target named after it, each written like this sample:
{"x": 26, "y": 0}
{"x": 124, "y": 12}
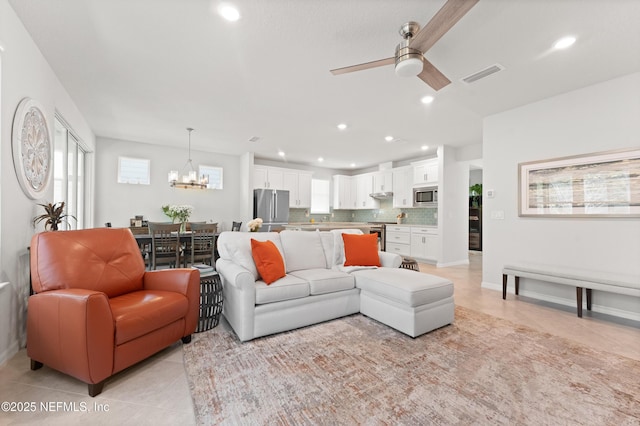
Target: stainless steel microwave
{"x": 425, "y": 196}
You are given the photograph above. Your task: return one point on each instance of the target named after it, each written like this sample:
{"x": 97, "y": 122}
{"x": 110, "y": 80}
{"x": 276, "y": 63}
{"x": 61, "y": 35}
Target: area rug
{"x": 354, "y": 370}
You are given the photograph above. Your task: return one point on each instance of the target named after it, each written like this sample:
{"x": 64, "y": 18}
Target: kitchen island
{"x": 328, "y": 226}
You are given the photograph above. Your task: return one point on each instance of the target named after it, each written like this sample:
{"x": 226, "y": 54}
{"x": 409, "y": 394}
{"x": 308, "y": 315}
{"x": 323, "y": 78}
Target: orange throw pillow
{"x": 361, "y": 250}
{"x": 268, "y": 260}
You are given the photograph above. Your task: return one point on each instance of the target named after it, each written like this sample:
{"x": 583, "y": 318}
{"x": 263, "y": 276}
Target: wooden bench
{"x": 578, "y": 278}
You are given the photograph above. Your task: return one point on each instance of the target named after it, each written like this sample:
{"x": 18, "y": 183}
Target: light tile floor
{"x": 156, "y": 391}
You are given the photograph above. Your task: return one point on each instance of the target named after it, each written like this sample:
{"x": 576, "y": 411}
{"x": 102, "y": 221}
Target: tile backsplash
{"x": 386, "y": 213}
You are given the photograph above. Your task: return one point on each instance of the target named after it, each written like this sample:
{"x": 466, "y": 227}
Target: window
{"x": 319, "y": 196}
{"x": 134, "y": 171}
{"x": 214, "y": 174}
{"x": 69, "y": 159}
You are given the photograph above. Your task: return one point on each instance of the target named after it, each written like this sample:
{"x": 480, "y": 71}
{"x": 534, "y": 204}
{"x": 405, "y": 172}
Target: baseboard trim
{"x": 9, "y": 352}
{"x": 456, "y": 263}
{"x": 607, "y": 310}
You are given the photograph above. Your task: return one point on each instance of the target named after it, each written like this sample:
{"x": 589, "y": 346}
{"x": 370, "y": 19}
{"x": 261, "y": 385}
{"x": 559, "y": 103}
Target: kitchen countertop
{"x": 327, "y": 226}
{"x": 413, "y": 225}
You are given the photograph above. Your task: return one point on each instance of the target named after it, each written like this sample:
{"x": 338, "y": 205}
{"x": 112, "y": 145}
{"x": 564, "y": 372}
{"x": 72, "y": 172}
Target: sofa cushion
{"x": 141, "y": 312}
{"x": 404, "y": 286}
{"x": 327, "y": 246}
{"x": 326, "y": 280}
{"x": 268, "y": 260}
{"x": 236, "y": 247}
{"x": 286, "y": 288}
{"x": 361, "y": 250}
{"x": 302, "y": 250}
{"x": 338, "y": 244}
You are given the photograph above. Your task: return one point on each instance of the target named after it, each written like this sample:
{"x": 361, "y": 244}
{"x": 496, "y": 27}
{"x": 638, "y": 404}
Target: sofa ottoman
{"x": 411, "y": 303}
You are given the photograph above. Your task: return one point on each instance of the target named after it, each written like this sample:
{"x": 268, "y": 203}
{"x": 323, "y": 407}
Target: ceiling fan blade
{"x": 365, "y": 66}
{"x": 447, "y": 16}
{"x": 432, "y": 76}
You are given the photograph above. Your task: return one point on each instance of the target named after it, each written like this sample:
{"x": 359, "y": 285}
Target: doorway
{"x": 475, "y": 209}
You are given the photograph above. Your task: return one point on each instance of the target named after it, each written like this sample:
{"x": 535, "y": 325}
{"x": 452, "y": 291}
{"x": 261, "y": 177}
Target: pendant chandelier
{"x": 188, "y": 178}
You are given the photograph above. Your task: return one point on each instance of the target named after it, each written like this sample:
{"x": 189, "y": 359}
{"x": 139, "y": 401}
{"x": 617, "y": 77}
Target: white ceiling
{"x": 144, "y": 70}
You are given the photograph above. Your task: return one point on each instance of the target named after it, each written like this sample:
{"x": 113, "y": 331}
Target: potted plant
{"x": 178, "y": 214}
{"x": 54, "y": 215}
{"x": 475, "y": 194}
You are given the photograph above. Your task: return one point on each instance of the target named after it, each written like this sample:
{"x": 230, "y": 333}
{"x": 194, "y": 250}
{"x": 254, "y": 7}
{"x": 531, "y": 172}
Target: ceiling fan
{"x": 409, "y": 58}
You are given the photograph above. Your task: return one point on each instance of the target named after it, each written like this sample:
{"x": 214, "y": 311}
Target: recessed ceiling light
{"x": 353, "y": 164}
{"x": 564, "y": 42}
{"x": 342, "y": 126}
{"x": 427, "y": 99}
{"x": 229, "y": 12}
{"x": 424, "y": 147}
{"x": 388, "y": 138}
{"x": 320, "y": 159}
{"x": 281, "y": 153}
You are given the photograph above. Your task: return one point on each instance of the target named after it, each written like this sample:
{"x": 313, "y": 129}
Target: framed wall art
{"x": 604, "y": 184}
{"x": 32, "y": 148}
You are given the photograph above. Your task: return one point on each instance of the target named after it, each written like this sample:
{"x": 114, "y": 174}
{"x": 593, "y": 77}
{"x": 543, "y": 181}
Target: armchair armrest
{"x": 179, "y": 280}
{"x": 183, "y": 281}
{"x": 390, "y": 260}
{"x": 72, "y": 330}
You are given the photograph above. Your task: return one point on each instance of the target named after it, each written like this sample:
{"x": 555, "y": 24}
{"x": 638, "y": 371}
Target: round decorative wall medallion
{"x": 32, "y": 148}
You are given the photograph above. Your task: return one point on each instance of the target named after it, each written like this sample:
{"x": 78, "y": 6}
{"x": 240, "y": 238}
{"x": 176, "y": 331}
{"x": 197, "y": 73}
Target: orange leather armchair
{"x": 96, "y": 310}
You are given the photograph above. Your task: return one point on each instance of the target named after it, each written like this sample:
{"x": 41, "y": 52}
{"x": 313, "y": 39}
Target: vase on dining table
{"x": 183, "y": 227}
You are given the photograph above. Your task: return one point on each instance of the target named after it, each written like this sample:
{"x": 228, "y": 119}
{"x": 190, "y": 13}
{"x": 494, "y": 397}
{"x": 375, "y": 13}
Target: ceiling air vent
{"x": 483, "y": 73}
{"x": 254, "y": 139}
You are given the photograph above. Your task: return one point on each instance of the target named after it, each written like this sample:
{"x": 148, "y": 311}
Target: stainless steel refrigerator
{"x": 272, "y": 206}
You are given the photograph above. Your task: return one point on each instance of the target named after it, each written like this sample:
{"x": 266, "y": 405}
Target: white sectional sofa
{"x": 317, "y": 287}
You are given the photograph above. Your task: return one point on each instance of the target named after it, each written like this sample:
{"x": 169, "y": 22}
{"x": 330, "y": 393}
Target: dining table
{"x": 144, "y": 241}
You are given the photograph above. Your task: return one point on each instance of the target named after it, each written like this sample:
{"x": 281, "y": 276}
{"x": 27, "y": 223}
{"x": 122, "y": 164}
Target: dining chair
{"x": 236, "y": 226}
{"x": 203, "y": 243}
{"x": 145, "y": 249}
{"x": 165, "y": 244}
{"x": 186, "y": 244}
{"x": 188, "y": 225}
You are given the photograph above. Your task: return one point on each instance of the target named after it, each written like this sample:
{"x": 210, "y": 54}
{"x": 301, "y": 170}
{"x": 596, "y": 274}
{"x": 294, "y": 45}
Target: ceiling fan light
{"x": 409, "y": 67}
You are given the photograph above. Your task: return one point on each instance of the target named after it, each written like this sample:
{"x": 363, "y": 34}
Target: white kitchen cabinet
{"x": 299, "y": 186}
{"x": 425, "y": 172}
{"x": 364, "y": 187}
{"x": 268, "y": 177}
{"x": 343, "y": 196}
{"x": 353, "y": 190}
{"x": 304, "y": 190}
{"x": 383, "y": 181}
{"x": 424, "y": 243}
{"x": 398, "y": 240}
{"x": 402, "y": 191}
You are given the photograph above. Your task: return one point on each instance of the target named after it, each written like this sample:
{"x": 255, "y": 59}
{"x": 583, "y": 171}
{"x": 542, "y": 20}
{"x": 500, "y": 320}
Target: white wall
{"x": 117, "y": 202}
{"x": 24, "y": 73}
{"x": 475, "y": 176}
{"x": 318, "y": 172}
{"x": 246, "y": 192}
{"x": 598, "y": 118}
{"x": 453, "y": 211}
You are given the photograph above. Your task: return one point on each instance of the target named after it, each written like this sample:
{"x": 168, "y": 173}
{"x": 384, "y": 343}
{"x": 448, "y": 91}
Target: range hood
{"x": 381, "y": 194}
